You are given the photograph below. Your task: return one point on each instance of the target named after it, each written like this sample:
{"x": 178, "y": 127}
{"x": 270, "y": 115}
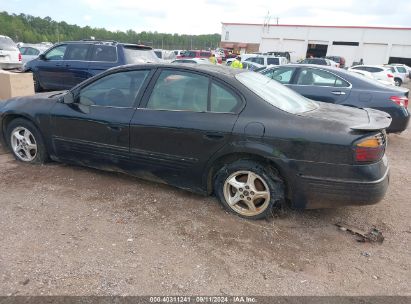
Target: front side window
{"x": 320, "y": 78}
{"x": 115, "y": 90}
{"x": 282, "y": 75}
{"x": 180, "y": 91}
{"x": 275, "y": 93}
{"x": 57, "y": 53}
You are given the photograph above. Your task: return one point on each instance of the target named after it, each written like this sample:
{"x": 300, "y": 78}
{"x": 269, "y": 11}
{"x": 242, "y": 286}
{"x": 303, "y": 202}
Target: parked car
{"x": 371, "y": 76}
{"x": 251, "y": 66}
{"x": 401, "y": 75}
{"x": 339, "y": 86}
{"x": 197, "y": 54}
{"x": 266, "y": 60}
{"x": 165, "y": 55}
{"x": 208, "y": 129}
{"x": 338, "y": 59}
{"x": 10, "y": 56}
{"x": 319, "y": 61}
{"x": 31, "y": 51}
{"x": 192, "y": 60}
{"x": 404, "y": 66}
{"x": 379, "y": 72}
{"x": 69, "y": 63}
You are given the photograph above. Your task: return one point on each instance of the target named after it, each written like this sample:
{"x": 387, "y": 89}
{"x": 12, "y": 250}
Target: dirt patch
{"x": 78, "y": 231}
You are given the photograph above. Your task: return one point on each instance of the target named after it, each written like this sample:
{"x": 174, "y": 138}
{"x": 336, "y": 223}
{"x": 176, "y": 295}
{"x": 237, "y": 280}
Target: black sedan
{"x": 209, "y": 129}
{"x": 339, "y": 86}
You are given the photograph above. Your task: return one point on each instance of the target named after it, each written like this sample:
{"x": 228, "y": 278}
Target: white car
{"x": 404, "y": 66}
{"x": 371, "y": 76}
{"x": 401, "y": 75}
{"x": 31, "y": 51}
{"x": 10, "y": 56}
{"x": 266, "y": 60}
{"x": 379, "y": 72}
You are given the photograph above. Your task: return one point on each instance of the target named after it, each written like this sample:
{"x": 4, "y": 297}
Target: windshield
{"x": 137, "y": 55}
{"x": 7, "y": 44}
{"x": 275, "y": 93}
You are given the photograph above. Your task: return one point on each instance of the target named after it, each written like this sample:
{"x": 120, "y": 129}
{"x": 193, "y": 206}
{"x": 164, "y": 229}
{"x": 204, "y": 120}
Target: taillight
{"x": 19, "y": 56}
{"x": 400, "y": 100}
{"x": 390, "y": 75}
{"x": 370, "y": 149}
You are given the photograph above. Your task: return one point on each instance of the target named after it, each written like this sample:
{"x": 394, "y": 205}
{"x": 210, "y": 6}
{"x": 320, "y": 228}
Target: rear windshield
{"x": 401, "y": 70}
{"x": 275, "y": 93}
{"x": 7, "y": 44}
{"x": 139, "y": 55}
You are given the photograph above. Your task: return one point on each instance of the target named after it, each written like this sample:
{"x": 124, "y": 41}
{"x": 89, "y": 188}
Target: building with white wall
{"x": 375, "y": 45}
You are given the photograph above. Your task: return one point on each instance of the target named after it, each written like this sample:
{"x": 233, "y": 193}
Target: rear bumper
{"x": 331, "y": 186}
{"x": 400, "y": 119}
{"x": 328, "y": 193}
{"x": 10, "y": 65}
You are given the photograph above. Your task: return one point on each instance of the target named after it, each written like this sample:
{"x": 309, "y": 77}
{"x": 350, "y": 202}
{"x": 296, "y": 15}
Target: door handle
{"x": 338, "y": 92}
{"x": 214, "y": 136}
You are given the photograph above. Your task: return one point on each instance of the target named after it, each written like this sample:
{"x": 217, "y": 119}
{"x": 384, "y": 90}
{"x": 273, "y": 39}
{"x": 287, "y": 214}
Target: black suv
{"x": 68, "y": 63}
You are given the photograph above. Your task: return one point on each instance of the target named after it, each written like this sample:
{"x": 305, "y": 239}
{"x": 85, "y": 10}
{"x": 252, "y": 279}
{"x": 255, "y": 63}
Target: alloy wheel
{"x": 246, "y": 193}
{"x": 23, "y": 144}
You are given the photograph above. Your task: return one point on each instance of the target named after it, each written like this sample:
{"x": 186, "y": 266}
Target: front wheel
{"x": 26, "y": 142}
{"x": 249, "y": 189}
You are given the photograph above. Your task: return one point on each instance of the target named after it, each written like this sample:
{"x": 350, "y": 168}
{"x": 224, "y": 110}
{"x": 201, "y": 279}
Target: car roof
{"x": 106, "y": 42}
{"x": 214, "y": 69}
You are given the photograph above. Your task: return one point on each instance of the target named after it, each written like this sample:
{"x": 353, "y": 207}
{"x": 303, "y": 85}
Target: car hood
{"x": 28, "y": 101}
{"x": 364, "y": 119}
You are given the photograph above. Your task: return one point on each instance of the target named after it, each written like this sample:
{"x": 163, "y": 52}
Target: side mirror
{"x": 42, "y": 57}
{"x": 68, "y": 98}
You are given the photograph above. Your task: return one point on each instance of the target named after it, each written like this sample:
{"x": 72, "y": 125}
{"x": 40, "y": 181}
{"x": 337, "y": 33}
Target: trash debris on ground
{"x": 374, "y": 235}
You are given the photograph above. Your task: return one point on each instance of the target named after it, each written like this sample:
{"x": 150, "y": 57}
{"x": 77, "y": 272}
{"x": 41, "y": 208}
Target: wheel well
{"x": 399, "y": 79}
{"x": 230, "y": 158}
{"x": 8, "y": 119}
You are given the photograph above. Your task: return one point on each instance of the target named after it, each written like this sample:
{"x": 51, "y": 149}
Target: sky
{"x": 205, "y": 16}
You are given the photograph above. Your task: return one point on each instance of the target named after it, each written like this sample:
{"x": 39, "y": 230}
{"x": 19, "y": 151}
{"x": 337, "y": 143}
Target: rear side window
{"x": 139, "y": 55}
{"x": 275, "y": 61}
{"x": 106, "y": 53}
{"x": 222, "y": 100}
{"x": 401, "y": 70}
{"x": 258, "y": 60}
{"x": 7, "y": 44}
{"x": 374, "y": 70}
{"x": 205, "y": 54}
{"x": 56, "y": 53}
{"x": 114, "y": 90}
{"x": 77, "y": 52}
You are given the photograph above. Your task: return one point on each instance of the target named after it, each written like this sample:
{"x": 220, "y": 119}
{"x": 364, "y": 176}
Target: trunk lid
{"x": 361, "y": 119}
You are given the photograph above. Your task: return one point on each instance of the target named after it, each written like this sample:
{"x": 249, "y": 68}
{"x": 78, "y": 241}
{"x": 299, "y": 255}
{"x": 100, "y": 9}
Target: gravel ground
{"x": 67, "y": 230}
